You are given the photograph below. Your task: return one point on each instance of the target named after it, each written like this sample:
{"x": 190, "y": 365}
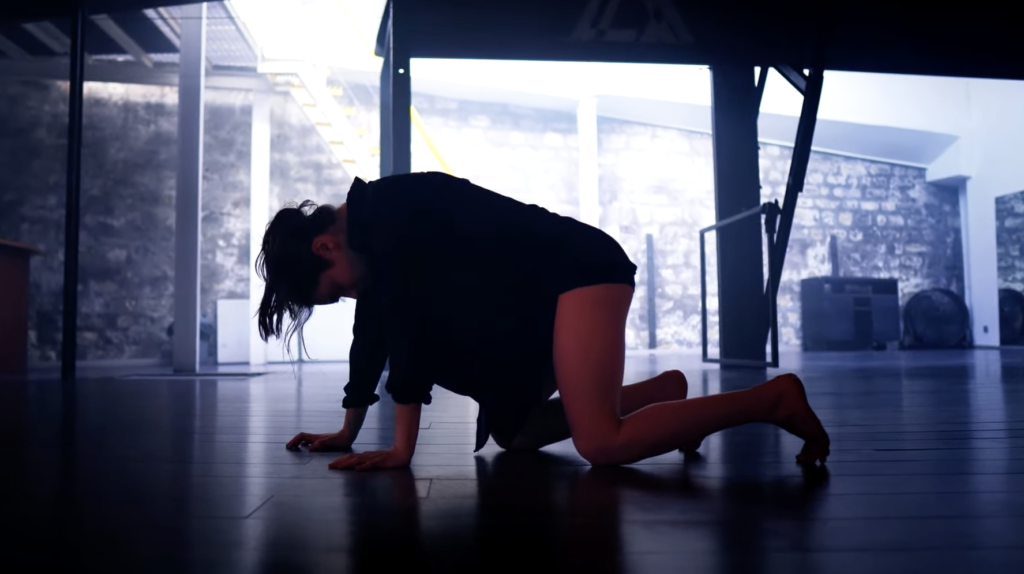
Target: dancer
{"x": 500, "y": 301}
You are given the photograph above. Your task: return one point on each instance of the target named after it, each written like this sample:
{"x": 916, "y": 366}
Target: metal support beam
{"x": 399, "y": 96}
{"x": 385, "y": 114}
{"x": 122, "y": 39}
{"x": 12, "y": 50}
{"x": 794, "y": 77}
{"x": 797, "y": 169}
{"x": 50, "y": 36}
{"x": 69, "y": 338}
{"x": 762, "y": 78}
{"x": 737, "y": 190}
{"x": 188, "y": 201}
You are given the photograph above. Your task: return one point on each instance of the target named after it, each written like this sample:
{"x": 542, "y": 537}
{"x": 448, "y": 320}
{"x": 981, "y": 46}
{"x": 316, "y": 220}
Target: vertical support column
{"x": 400, "y": 84}
{"x": 586, "y": 129}
{"x": 737, "y": 189}
{"x": 981, "y": 265}
{"x": 259, "y": 215}
{"x": 191, "y": 79}
{"x": 69, "y": 339}
{"x": 385, "y": 112}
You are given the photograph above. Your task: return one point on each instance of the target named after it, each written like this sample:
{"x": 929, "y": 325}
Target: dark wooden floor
{"x": 926, "y": 475}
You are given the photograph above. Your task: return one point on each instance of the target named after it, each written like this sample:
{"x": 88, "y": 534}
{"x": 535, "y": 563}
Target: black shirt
{"x": 462, "y": 287}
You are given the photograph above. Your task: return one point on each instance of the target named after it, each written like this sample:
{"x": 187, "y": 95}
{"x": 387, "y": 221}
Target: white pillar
{"x": 586, "y": 128}
{"x": 259, "y": 215}
{"x": 981, "y": 271}
{"x": 191, "y": 78}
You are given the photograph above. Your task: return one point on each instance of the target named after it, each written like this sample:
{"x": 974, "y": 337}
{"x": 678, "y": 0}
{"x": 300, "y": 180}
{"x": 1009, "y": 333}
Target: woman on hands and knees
{"x": 499, "y": 301}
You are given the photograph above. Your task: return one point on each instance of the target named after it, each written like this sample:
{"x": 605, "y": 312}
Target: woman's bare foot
{"x": 793, "y": 414}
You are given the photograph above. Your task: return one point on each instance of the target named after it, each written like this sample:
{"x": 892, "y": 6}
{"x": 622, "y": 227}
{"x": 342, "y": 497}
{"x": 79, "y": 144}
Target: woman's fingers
{"x": 299, "y": 440}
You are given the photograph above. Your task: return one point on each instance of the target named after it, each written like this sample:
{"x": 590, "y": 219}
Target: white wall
{"x": 990, "y": 156}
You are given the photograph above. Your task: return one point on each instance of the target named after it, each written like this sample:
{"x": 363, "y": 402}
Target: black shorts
{"x": 527, "y": 364}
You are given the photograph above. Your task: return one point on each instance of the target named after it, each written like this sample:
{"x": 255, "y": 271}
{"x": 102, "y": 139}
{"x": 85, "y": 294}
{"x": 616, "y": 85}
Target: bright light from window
{"x": 333, "y": 33}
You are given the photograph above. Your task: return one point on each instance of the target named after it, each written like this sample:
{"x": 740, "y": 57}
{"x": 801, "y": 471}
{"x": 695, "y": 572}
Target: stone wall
{"x": 1010, "y": 240}
{"x": 129, "y": 164}
{"x": 887, "y": 220}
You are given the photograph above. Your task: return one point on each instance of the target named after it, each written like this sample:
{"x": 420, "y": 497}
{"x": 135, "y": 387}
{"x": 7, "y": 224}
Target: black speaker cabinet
{"x": 849, "y": 313}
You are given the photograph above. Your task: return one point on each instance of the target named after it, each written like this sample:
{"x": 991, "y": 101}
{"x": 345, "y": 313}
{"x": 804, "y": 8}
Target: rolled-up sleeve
{"x": 368, "y": 354}
{"x": 408, "y": 383}
{"x": 409, "y": 375}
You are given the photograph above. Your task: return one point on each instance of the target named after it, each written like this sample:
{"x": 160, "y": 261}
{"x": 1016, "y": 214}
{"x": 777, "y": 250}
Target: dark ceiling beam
{"x": 795, "y": 77}
{"x": 122, "y": 39}
{"x": 12, "y": 50}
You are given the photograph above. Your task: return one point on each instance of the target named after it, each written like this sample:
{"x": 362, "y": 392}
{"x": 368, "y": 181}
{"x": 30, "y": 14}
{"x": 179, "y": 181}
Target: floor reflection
{"x": 531, "y": 512}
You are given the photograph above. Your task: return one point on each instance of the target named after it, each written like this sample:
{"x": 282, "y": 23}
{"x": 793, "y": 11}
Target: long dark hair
{"x": 290, "y": 268}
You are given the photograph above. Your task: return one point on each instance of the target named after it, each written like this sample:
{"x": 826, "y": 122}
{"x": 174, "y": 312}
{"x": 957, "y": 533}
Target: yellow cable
{"x": 413, "y": 114}
{"x": 422, "y": 128}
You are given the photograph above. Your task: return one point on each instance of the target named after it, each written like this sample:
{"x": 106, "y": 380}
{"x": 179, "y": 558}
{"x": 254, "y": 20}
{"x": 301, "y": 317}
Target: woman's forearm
{"x": 354, "y": 421}
{"x": 407, "y": 428}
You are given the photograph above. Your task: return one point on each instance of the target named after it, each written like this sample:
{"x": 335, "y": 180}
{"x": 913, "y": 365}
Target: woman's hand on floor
{"x": 323, "y": 442}
{"x": 378, "y": 459}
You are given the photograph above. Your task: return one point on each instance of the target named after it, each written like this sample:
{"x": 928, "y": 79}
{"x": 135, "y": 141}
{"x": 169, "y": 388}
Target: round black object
{"x": 936, "y": 319}
{"x": 1011, "y": 317}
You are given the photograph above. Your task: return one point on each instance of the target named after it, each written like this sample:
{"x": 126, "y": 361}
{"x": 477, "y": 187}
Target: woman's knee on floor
{"x": 600, "y": 446}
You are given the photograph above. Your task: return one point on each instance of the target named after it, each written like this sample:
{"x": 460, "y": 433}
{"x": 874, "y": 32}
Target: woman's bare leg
{"x": 589, "y": 357}
{"x": 548, "y": 425}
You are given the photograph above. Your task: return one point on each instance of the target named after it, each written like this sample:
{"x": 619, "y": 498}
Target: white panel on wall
{"x": 328, "y": 333}
{"x": 232, "y": 331}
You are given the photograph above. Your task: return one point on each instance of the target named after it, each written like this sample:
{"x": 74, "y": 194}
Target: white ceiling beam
{"x": 122, "y": 39}
{"x": 49, "y": 35}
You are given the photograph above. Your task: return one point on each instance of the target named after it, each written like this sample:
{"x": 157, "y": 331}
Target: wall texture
{"x": 1010, "y": 240}
{"x": 128, "y": 187}
{"x": 655, "y": 180}
{"x": 888, "y": 222}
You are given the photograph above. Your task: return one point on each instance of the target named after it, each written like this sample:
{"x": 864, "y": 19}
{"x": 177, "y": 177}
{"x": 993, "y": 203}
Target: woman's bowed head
{"x": 305, "y": 261}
